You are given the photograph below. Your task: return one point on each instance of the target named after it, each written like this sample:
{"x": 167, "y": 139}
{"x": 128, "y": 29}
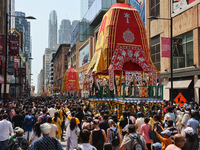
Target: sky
{"x": 40, "y": 9}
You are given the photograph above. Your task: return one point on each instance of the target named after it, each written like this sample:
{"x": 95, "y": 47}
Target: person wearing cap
{"x": 157, "y": 146}
{"x": 166, "y": 139}
{"x": 190, "y": 143}
{"x": 13, "y": 135}
{"x": 22, "y": 142}
{"x": 139, "y": 122}
{"x": 47, "y": 142}
{"x": 179, "y": 142}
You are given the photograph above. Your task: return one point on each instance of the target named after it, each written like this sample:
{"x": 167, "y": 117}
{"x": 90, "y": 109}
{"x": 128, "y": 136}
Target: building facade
{"x": 46, "y": 64}
{"x": 60, "y": 65}
{"x": 65, "y": 32}
{"x": 185, "y": 33}
{"x": 84, "y": 56}
{"x": 52, "y": 39}
{"x": 41, "y": 85}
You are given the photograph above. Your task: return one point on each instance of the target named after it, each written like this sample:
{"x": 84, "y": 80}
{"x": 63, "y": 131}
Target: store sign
{"x": 13, "y": 45}
{"x": 84, "y": 55}
{"x": 2, "y": 43}
{"x": 179, "y": 6}
{"x": 166, "y": 47}
{"x": 1, "y": 79}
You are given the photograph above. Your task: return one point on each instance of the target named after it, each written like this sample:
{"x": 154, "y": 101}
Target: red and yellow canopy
{"x": 121, "y": 35}
{"x": 70, "y": 80}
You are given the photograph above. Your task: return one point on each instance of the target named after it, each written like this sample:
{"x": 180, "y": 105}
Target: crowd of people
{"x": 40, "y": 123}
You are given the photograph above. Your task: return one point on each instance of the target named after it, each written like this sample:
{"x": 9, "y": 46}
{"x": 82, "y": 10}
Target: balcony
{"x": 128, "y": 94}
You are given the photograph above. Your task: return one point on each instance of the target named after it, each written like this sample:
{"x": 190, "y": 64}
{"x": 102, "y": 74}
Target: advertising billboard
{"x": 179, "y": 6}
{"x": 139, "y": 5}
{"x": 84, "y": 55}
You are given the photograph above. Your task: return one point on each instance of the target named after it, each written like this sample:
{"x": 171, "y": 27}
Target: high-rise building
{"x": 65, "y": 32}
{"x": 85, "y": 5}
{"x": 46, "y": 64}
{"x": 38, "y": 83}
{"x": 52, "y": 29}
{"x": 41, "y": 86}
{"x": 66, "y": 28}
{"x": 74, "y": 24}
{"x": 26, "y": 24}
{"x": 90, "y": 2}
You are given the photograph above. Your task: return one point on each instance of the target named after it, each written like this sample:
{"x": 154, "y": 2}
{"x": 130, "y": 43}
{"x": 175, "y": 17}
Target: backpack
{"x": 115, "y": 137}
{"x": 136, "y": 143}
{"x": 44, "y": 119}
{"x": 29, "y": 120}
{"x": 15, "y": 145}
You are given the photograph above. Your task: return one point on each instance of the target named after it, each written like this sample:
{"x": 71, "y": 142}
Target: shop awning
{"x": 197, "y": 85}
{"x": 179, "y": 84}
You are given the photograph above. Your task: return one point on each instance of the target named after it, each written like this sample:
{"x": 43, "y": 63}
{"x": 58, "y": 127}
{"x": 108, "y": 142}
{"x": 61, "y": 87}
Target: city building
{"x": 52, "y": 29}
{"x": 41, "y": 83}
{"x": 46, "y": 64}
{"x": 60, "y": 65}
{"x": 50, "y": 76}
{"x": 74, "y": 24}
{"x": 3, "y": 11}
{"x": 185, "y": 33}
{"x": 84, "y": 55}
{"x": 65, "y": 32}
{"x": 38, "y": 83}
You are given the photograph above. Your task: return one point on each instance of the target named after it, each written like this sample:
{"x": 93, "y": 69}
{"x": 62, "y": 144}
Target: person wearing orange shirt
{"x": 166, "y": 139}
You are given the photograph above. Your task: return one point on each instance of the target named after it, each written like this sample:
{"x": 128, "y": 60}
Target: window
{"x": 66, "y": 67}
{"x": 155, "y": 51}
{"x": 65, "y": 57}
{"x": 155, "y": 8}
{"x": 183, "y": 50}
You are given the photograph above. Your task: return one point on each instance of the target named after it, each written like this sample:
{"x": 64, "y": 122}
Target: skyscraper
{"x": 74, "y": 24}
{"x": 52, "y": 29}
{"x": 85, "y": 5}
{"x": 65, "y": 32}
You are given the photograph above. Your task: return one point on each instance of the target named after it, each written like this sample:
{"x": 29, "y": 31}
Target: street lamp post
{"x": 171, "y": 54}
{"x": 6, "y": 51}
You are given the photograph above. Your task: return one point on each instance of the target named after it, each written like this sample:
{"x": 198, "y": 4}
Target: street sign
{"x": 180, "y": 99}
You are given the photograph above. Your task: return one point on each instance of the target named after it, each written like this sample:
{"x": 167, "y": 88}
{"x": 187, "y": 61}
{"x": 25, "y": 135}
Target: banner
{"x": 2, "y": 43}
{"x": 166, "y": 47}
{"x": 179, "y": 6}
{"x": 13, "y": 45}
